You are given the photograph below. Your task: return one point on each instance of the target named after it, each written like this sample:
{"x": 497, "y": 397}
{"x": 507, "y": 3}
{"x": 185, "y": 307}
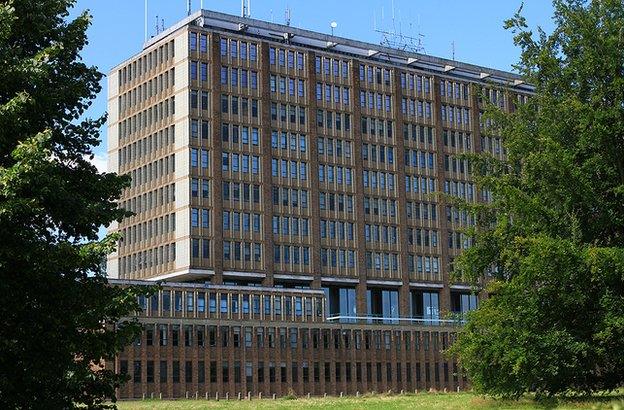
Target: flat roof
{"x": 281, "y": 33}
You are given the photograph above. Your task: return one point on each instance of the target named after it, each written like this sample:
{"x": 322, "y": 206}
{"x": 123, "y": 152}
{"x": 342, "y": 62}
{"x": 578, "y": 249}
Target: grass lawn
{"x": 385, "y": 402}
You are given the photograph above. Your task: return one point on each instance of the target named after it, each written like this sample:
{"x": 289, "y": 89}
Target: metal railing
{"x": 396, "y": 320}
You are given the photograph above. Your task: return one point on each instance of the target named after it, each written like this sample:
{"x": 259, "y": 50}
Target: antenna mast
{"x": 188, "y": 8}
{"x": 245, "y": 8}
{"x": 287, "y": 16}
{"x": 394, "y": 38}
{"x": 146, "y": 20}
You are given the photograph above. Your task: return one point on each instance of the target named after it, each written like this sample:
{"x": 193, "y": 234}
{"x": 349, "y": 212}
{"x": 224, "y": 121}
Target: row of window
{"x": 416, "y": 184}
{"x": 336, "y": 202}
{"x": 338, "y": 258}
{"x": 237, "y": 49}
{"x": 284, "y": 58}
{"x": 460, "y": 189}
{"x": 238, "y": 77}
{"x": 283, "y": 338}
{"x": 460, "y": 216}
{"x": 374, "y": 75}
{"x": 286, "y": 140}
{"x": 200, "y": 156}
{"x": 147, "y": 145}
{"x": 244, "y": 163}
{"x": 291, "y": 254}
{"x": 457, "y": 139}
{"x": 337, "y": 229}
{"x": 417, "y": 132}
{"x": 146, "y": 90}
{"x": 240, "y": 134}
{"x": 234, "y": 105}
{"x": 423, "y": 264}
{"x": 335, "y": 173}
{"x": 376, "y": 101}
{"x": 380, "y": 233}
{"x": 147, "y": 118}
{"x": 416, "y": 108}
{"x": 296, "y": 170}
{"x": 198, "y": 71}
{"x": 387, "y": 261}
{"x": 410, "y": 81}
{"x": 287, "y": 85}
{"x": 374, "y": 179}
{"x": 455, "y": 90}
{"x": 200, "y": 100}
{"x": 457, "y": 114}
{"x": 457, "y": 165}
{"x": 155, "y": 198}
{"x": 203, "y": 42}
{"x": 146, "y": 63}
{"x": 334, "y": 93}
{"x": 333, "y": 120}
{"x": 196, "y": 184}
{"x": 198, "y": 302}
{"x": 292, "y": 114}
{"x": 152, "y": 171}
{"x": 239, "y": 191}
{"x": 147, "y": 259}
{"x": 292, "y": 197}
{"x": 458, "y": 240}
{"x": 419, "y": 159}
{"x": 200, "y": 218}
{"x": 205, "y": 248}
{"x": 149, "y": 229}
{"x": 417, "y": 210}
{"x": 290, "y": 225}
{"x": 333, "y": 147}
{"x": 376, "y": 127}
{"x": 331, "y": 66}
{"x": 200, "y": 127}
{"x": 236, "y": 221}
{"x": 377, "y": 153}
{"x": 380, "y": 206}
{"x": 241, "y": 251}
{"x": 422, "y": 237}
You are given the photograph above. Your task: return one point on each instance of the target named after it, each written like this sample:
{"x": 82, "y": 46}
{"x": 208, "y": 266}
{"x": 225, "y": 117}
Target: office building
{"x": 290, "y": 187}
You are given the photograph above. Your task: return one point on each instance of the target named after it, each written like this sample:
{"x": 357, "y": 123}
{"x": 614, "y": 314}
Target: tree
{"x": 552, "y": 239}
{"x": 59, "y": 315}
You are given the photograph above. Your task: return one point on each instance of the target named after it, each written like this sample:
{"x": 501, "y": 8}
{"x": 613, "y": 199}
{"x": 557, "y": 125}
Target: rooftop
{"x": 359, "y": 49}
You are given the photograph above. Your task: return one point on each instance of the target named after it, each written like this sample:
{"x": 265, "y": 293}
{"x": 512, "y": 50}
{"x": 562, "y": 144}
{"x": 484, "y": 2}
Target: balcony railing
{"x": 395, "y": 320}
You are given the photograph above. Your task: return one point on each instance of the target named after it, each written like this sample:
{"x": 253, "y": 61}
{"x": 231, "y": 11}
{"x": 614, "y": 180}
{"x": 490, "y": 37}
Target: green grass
{"x": 419, "y": 401}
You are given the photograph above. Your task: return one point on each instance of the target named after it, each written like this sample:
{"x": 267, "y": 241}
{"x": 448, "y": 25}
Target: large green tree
{"x": 552, "y": 240}
{"x": 58, "y": 315}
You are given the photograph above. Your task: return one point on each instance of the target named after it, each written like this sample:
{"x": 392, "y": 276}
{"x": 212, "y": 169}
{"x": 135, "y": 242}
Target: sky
{"x": 475, "y": 27}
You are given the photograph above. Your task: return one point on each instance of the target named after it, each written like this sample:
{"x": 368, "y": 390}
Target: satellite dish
{"x": 333, "y": 24}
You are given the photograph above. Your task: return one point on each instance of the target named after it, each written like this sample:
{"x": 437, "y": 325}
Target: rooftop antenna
{"x": 146, "y": 20}
{"x": 162, "y": 25}
{"x": 157, "y": 27}
{"x": 453, "y": 49}
{"x": 245, "y": 8}
{"x": 394, "y": 37}
{"x": 201, "y": 4}
{"x": 333, "y": 25}
{"x": 188, "y": 8}
{"x": 287, "y": 16}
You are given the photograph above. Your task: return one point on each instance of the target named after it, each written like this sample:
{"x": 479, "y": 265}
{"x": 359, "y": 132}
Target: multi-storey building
{"x": 290, "y": 187}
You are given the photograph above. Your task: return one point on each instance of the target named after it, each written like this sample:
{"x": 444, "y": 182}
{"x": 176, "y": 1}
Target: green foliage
{"x": 553, "y": 238}
{"x": 59, "y": 316}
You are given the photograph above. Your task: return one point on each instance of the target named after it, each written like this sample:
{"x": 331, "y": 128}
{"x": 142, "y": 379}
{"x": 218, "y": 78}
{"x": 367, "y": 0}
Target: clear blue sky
{"x": 475, "y": 26}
